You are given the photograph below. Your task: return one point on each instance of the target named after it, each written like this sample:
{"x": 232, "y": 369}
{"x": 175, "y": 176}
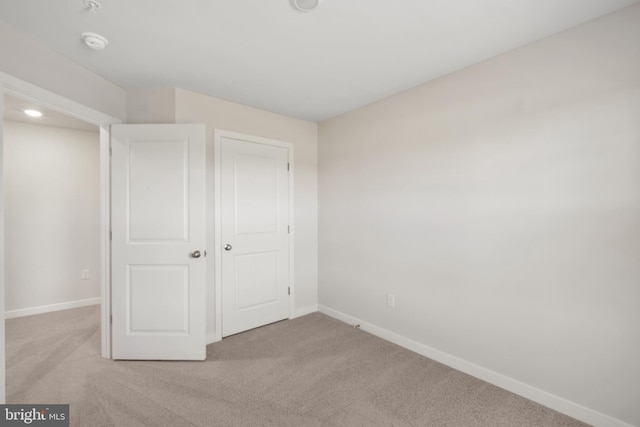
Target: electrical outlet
{"x": 391, "y": 300}
{"x": 85, "y": 274}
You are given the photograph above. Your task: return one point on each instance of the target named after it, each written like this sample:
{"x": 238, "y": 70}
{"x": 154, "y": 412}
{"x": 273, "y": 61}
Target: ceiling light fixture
{"x": 305, "y": 5}
{"x": 33, "y": 113}
{"x": 93, "y": 5}
{"x": 94, "y": 41}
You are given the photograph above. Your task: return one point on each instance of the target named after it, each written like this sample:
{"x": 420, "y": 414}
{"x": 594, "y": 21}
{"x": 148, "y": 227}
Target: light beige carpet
{"x": 311, "y": 371}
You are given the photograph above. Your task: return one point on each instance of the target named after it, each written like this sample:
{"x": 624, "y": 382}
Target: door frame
{"x": 27, "y": 91}
{"x": 217, "y": 243}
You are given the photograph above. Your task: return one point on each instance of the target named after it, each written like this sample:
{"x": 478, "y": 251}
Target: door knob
{"x": 227, "y": 247}
{"x": 195, "y": 254}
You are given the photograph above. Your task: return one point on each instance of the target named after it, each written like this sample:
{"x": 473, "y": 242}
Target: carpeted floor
{"x": 311, "y": 371}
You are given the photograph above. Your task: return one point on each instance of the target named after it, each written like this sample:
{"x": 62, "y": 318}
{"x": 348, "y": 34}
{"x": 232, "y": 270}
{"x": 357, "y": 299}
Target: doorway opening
{"x": 52, "y": 210}
{"x": 51, "y": 174}
{"x": 12, "y": 86}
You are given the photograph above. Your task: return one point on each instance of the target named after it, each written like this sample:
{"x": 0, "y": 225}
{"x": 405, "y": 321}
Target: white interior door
{"x": 254, "y": 220}
{"x": 158, "y": 242}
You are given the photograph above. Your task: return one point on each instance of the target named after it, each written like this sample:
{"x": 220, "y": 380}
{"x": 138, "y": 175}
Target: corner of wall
{"x": 151, "y": 106}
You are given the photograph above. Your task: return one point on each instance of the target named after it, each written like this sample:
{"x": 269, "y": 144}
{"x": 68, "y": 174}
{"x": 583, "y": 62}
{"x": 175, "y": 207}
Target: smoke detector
{"x": 305, "y": 5}
{"x": 92, "y": 5}
{"x": 94, "y": 41}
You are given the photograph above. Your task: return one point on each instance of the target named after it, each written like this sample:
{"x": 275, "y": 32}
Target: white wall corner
{"x": 303, "y": 311}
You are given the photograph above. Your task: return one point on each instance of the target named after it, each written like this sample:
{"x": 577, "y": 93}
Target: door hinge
{"x": 288, "y": 291}
{"x": 110, "y": 152}
{"x": 110, "y": 235}
{"x": 288, "y": 166}
{"x": 288, "y": 229}
{"x": 111, "y": 319}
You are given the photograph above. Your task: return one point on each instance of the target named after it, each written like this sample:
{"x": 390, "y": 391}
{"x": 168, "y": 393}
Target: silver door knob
{"x": 195, "y": 254}
{"x": 227, "y": 247}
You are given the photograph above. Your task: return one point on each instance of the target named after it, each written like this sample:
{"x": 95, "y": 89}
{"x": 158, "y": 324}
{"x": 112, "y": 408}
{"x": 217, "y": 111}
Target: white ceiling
{"x": 315, "y": 65}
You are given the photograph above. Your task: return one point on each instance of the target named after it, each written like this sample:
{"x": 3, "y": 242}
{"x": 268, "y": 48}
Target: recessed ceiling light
{"x": 94, "y": 41}
{"x": 305, "y": 5}
{"x": 33, "y": 113}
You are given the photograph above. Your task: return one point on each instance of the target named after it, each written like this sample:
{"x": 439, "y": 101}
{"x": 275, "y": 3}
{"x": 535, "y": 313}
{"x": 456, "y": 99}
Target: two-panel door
{"x": 158, "y": 242}
{"x": 254, "y": 209}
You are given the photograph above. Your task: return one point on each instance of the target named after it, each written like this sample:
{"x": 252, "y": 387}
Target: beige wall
{"x": 52, "y": 209}
{"x": 151, "y": 106}
{"x": 500, "y": 206}
{"x": 215, "y": 113}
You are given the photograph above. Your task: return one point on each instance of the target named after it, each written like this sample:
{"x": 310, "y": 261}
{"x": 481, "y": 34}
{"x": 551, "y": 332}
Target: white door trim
{"x": 16, "y": 87}
{"x": 217, "y": 244}
{"x": 2, "y": 339}
{"x": 105, "y": 241}
{"x": 21, "y": 89}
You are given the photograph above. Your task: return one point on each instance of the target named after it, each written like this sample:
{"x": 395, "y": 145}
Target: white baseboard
{"x": 52, "y": 307}
{"x": 303, "y": 311}
{"x": 542, "y": 397}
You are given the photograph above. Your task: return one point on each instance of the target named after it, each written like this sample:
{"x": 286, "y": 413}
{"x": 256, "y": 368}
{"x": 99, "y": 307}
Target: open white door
{"x": 158, "y": 242}
{"x": 254, "y": 231}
